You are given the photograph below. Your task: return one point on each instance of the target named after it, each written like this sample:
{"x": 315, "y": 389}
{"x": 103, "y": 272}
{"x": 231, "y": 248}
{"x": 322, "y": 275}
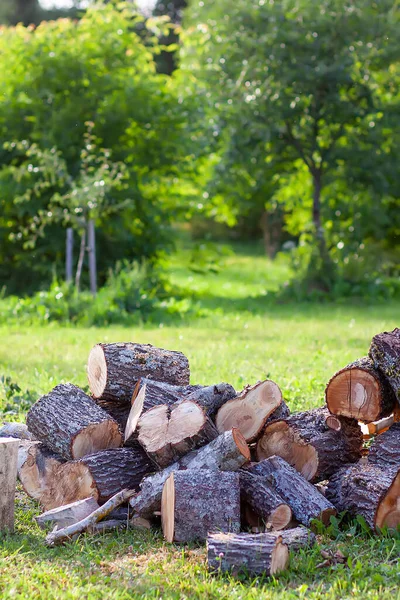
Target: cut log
{"x": 385, "y": 449}
{"x": 114, "y": 369}
{"x": 228, "y": 452}
{"x": 281, "y": 412}
{"x": 368, "y": 490}
{"x": 385, "y": 353}
{"x": 196, "y": 502}
{"x": 100, "y": 475}
{"x": 296, "y": 538}
{"x": 71, "y": 424}
{"x": 16, "y": 430}
{"x": 360, "y": 391}
{"x": 264, "y": 501}
{"x": 8, "y": 481}
{"x": 61, "y": 535}
{"x": 167, "y": 433}
{"x": 68, "y": 514}
{"x": 38, "y": 469}
{"x": 253, "y": 554}
{"x": 333, "y": 422}
{"x": 250, "y": 410}
{"x": 306, "y": 502}
{"x": 306, "y": 442}
{"x": 378, "y": 426}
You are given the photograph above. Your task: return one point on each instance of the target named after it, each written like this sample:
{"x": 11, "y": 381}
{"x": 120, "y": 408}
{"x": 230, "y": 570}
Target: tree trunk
{"x": 92, "y": 256}
{"x": 114, "y": 369}
{"x": 264, "y": 501}
{"x": 195, "y": 502}
{"x": 8, "y": 482}
{"x": 66, "y": 515}
{"x": 228, "y": 452}
{"x": 168, "y": 433}
{"x": 306, "y": 502}
{"x": 250, "y": 409}
{"x": 360, "y": 391}
{"x": 316, "y": 210}
{"x": 310, "y": 446}
{"x": 70, "y": 423}
{"x": 370, "y": 491}
{"x": 80, "y": 260}
{"x": 385, "y": 352}
{"x": 69, "y": 256}
{"x": 385, "y": 449}
{"x": 38, "y": 469}
{"x": 254, "y": 554}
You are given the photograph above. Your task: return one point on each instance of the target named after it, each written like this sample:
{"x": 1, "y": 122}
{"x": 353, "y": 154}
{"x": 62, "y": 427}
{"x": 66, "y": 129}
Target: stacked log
{"x": 385, "y": 353}
{"x": 385, "y": 449}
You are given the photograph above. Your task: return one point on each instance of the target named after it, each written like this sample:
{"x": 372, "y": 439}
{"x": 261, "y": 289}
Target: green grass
{"x": 243, "y": 338}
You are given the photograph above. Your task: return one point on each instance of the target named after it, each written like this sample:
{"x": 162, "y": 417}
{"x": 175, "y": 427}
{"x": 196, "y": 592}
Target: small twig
{"x": 60, "y": 536}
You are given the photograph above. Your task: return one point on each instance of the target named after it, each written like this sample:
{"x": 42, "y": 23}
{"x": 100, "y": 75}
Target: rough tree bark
{"x": 385, "y": 449}
{"x": 385, "y": 352}
{"x": 264, "y": 500}
{"x": 114, "y": 369}
{"x": 71, "y": 424}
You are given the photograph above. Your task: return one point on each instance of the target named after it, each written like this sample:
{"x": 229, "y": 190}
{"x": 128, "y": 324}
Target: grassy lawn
{"x": 243, "y": 338}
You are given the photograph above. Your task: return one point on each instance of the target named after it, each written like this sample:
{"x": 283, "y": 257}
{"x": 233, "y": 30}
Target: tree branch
{"x": 297, "y": 145}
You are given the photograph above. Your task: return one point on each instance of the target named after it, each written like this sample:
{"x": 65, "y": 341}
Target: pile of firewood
{"x": 236, "y": 470}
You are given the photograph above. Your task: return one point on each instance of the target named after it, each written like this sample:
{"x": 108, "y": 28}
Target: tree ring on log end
{"x": 97, "y": 371}
{"x": 241, "y": 443}
{"x": 388, "y": 513}
{"x": 354, "y": 393}
{"x": 168, "y": 509}
{"x": 96, "y": 437}
{"x": 281, "y": 517}
{"x": 279, "y": 557}
{"x": 280, "y": 440}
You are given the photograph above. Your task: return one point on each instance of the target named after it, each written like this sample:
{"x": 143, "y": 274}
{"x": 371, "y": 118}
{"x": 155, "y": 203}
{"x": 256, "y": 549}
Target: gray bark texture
{"x": 8, "y": 482}
{"x": 282, "y": 412}
{"x": 360, "y": 489}
{"x": 222, "y": 454}
{"x": 127, "y": 362}
{"x": 385, "y": 449}
{"x": 16, "y": 430}
{"x": 204, "y": 501}
{"x": 66, "y": 412}
{"x": 249, "y": 553}
{"x": 386, "y": 394}
{"x": 306, "y": 502}
{"x": 385, "y": 353}
{"x": 296, "y": 538}
{"x": 260, "y": 496}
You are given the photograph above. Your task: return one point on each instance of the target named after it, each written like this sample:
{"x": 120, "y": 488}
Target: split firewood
{"x": 255, "y": 554}
{"x": 296, "y": 538}
{"x": 114, "y": 369}
{"x": 61, "y": 535}
{"x": 99, "y": 475}
{"x": 306, "y": 502}
{"x": 155, "y": 393}
{"x": 360, "y": 391}
{"x": 195, "y": 502}
{"x": 371, "y": 491}
{"x": 306, "y": 442}
{"x": 385, "y": 352}
{"x": 281, "y": 412}
{"x": 378, "y": 426}
{"x": 167, "y": 433}
{"x": 38, "y": 469}
{"x": 385, "y": 449}
{"x": 8, "y": 481}
{"x": 70, "y": 423}
{"x": 16, "y": 430}
{"x": 66, "y": 515}
{"x": 264, "y": 500}
{"x": 228, "y": 452}
{"x": 250, "y": 409}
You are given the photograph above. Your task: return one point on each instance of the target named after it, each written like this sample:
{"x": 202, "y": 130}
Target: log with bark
{"x": 385, "y": 353}
{"x": 281, "y": 412}
{"x": 368, "y": 490}
{"x": 264, "y": 500}
{"x": 385, "y": 449}
{"x": 306, "y": 442}
{"x": 66, "y": 515}
{"x": 296, "y": 538}
{"x": 228, "y": 452}
{"x": 71, "y": 424}
{"x": 250, "y": 410}
{"x": 16, "y": 430}
{"x": 114, "y": 369}
{"x": 167, "y": 433}
{"x": 8, "y": 481}
{"x": 38, "y": 470}
{"x": 195, "y": 502}
{"x": 361, "y": 391}
{"x": 306, "y": 502}
{"x": 253, "y": 554}
{"x": 100, "y": 475}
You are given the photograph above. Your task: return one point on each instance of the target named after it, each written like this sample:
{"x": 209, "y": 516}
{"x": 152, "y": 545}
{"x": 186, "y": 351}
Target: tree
{"x": 291, "y": 82}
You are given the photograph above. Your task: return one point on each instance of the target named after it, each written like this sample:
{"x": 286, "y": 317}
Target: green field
{"x": 244, "y": 337}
